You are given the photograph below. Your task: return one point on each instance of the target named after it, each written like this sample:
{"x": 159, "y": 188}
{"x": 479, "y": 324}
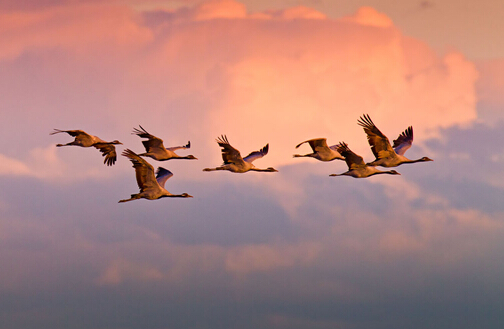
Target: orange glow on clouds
{"x": 286, "y": 77}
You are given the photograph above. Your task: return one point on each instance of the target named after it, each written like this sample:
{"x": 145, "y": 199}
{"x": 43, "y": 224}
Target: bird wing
{"x": 256, "y": 154}
{"x": 404, "y": 141}
{"x": 144, "y": 171}
{"x": 334, "y": 147}
{"x": 72, "y": 133}
{"x": 379, "y": 143}
{"x": 174, "y": 148}
{"x": 352, "y": 160}
{"x": 108, "y": 151}
{"x": 162, "y": 176}
{"x": 315, "y": 143}
{"x": 229, "y": 153}
{"x": 152, "y": 143}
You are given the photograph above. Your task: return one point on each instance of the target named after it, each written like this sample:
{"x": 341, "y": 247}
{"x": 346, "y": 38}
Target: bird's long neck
{"x": 264, "y": 170}
{"x": 184, "y": 157}
{"x": 383, "y": 172}
{"x": 415, "y": 161}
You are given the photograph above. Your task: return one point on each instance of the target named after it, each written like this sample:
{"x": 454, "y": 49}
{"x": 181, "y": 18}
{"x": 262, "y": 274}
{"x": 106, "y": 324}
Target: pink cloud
{"x": 370, "y": 17}
{"x": 215, "y": 9}
{"x": 277, "y": 81}
{"x": 489, "y": 87}
{"x": 81, "y": 28}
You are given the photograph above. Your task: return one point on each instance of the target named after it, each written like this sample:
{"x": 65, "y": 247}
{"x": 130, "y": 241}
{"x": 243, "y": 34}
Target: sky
{"x": 294, "y": 249}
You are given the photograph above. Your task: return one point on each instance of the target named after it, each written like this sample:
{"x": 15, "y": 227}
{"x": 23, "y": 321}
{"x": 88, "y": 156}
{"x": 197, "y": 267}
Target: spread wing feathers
{"x": 108, "y": 151}
{"x": 404, "y": 141}
{"x": 257, "y": 154}
{"x": 316, "y": 144}
{"x": 352, "y": 160}
{"x": 229, "y": 153}
{"x": 162, "y": 176}
{"x": 153, "y": 142}
{"x": 72, "y": 133}
{"x": 144, "y": 171}
{"x": 379, "y": 143}
{"x": 174, "y": 148}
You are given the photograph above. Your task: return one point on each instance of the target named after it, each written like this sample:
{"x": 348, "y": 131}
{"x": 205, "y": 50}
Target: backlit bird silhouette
{"x": 234, "y": 162}
{"x": 155, "y": 149}
{"x": 385, "y": 155}
{"x": 83, "y": 139}
{"x": 321, "y": 151}
{"x": 357, "y": 168}
{"x": 151, "y": 187}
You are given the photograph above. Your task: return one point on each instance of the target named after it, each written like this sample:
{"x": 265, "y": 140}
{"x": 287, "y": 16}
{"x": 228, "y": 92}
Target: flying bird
{"x": 385, "y": 154}
{"x": 321, "y": 151}
{"x": 155, "y": 149}
{"x": 83, "y": 139}
{"x": 234, "y": 162}
{"x": 357, "y": 168}
{"x": 151, "y": 187}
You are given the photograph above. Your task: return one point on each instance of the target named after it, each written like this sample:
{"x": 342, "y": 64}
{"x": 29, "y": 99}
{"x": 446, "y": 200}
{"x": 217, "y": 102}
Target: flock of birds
{"x": 151, "y": 183}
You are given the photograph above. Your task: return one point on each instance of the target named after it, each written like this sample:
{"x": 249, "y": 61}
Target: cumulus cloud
{"x": 249, "y": 78}
{"x": 489, "y": 86}
{"x": 296, "y": 236}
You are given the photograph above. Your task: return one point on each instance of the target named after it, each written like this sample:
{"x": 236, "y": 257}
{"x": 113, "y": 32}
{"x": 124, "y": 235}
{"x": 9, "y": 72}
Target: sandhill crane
{"x": 385, "y": 155}
{"x": 83, "y": 139}
{"x": 151, "y": 187}
{"x": 357, "y": 168}
{"x": 321, "y": 151}
{"x": 233, "y": 160}
{"x": 155, "y": 148}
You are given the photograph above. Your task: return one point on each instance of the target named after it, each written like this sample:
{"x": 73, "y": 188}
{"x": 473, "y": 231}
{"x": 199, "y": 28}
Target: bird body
{"x": 321, "y": 151}
{"x": 83, "y": 139}
{"x": 357, "y": 168}
{"x": 155, "y": 149}
{"x": 233, "y": 160}
{"x": 151, "y": 187}
{"x": 385, "y": 154}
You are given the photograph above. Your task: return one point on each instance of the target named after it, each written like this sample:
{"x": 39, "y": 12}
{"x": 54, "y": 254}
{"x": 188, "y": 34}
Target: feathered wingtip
{"x": 405, "y": 136}
{"x": 342, "y": 147}
{"x": 56, "y": 131}
{"x": 129, "y": 153}
{"x": 265, "y": 149}
{"x": 140, "y": 132}
{"x": 222, "y": 140}
{"x": 365, "y": 121}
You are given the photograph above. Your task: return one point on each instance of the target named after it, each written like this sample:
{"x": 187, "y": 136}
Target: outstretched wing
{"x": 72, "y": 133}
{"x": 229, "y": 153}
{"x": 108, "y": 151}
{"x": 379, "y": 143}
{"x": 162, "y": 176}
{"x": 174, "y": 148}
{"x": 257, "y": 154}
{"x": 316, "y": 144}
{"x": 352, "y": 160}
{"x": 404, "y": 141}
{"x": 144, "y": 171}
{"x": 152, "y": 143}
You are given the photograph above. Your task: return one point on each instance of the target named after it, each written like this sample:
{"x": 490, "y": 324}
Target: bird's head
{"x": 393, "y": 172}
{"x": 271, "y": 169}
{"x": 426, "y": 159}
{"x": 116, "y": 142}
{"x": 185, "y": 195}
{"x": 192, "y": 157}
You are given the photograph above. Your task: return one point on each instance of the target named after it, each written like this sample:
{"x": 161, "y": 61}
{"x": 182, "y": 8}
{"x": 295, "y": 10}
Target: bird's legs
{"x": 133, "y": 197}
